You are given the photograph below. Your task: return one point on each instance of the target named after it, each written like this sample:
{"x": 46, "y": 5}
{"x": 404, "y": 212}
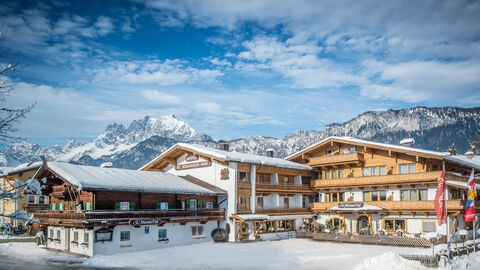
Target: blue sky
{"x": 234, "y": 68}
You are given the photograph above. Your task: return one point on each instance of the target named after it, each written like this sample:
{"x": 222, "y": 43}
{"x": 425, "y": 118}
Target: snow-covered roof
{"x": 461, "y": 184}
{"x": 365, "y": 207}
{"x": 5, "y": 170}
{"x": 474, "y": 162}
{"x": 382, "y": 145}
{"x": 25, "y": 167}
{"x": 235, "y": 157}
{"x": 97, "y": 178}
{"x": 247, "y": 217}
{"x": 407, "y": 141}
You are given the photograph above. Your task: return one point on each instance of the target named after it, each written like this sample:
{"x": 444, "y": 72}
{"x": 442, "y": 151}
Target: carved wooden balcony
{"x": 341, "y": 159}
{"x": 395, "y": 206}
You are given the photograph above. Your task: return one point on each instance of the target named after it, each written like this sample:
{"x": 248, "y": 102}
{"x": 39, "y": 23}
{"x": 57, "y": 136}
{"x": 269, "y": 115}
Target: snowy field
{"x": 286, "y": 254}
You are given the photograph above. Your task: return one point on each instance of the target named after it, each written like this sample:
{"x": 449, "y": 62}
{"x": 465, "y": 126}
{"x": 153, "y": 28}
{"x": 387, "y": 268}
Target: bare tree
{"x": 474, "y": 145}
{"x": 9, "y": 116}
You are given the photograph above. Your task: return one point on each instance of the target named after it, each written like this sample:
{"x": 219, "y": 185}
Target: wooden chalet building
{"x": 268, "y": 197}
{"x": 95, "y": 210}
{"x": 366, "y": 187}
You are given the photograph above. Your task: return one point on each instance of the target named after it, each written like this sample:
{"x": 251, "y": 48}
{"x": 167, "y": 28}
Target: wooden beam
{"x": 453, "y": 224}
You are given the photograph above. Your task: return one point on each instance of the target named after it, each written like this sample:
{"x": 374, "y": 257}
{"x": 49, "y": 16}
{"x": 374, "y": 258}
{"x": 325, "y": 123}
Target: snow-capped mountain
{"x": 134, "y": 145}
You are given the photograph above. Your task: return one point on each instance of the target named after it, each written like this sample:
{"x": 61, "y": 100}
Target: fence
{"x": 373, "y": 239}
{"x": 425, "y": 260}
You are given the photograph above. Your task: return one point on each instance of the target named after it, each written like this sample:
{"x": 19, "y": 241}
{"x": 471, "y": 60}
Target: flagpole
{"x": 475, "y": 221}
{"x": 446, "y": 209}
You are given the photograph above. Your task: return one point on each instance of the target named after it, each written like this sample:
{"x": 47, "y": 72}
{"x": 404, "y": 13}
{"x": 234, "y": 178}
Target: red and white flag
{"x": 439, "y": 202}
{"x": 469, "y": 212}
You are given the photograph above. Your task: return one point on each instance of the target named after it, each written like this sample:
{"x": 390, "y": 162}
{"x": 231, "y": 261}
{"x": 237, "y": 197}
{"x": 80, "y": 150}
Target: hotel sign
{"x": 350, "y": 205}
{"x": 137, "y": 222}
{"x": 191, "y": 158}
{"x": 206, "y": 163}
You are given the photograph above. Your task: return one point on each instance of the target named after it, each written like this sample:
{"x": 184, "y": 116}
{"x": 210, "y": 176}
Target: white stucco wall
{"x": 84, "y": 246}
{"x": 64, "y": 238}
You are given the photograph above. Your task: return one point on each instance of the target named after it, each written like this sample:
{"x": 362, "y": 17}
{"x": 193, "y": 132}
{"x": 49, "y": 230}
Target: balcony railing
{"x": 283, "y": 211}
{"x": 283, "y": 188}
{"x": 381, "y": 180}
{"x": 71, "y": 217}
{"x": 401, "y": 206}
{"x": 336, "y": 160}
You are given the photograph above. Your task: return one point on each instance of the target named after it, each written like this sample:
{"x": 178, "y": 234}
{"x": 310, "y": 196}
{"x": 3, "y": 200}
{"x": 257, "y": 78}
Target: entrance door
{"x": 363, "y": 226}
{"x": 244, "y": 231}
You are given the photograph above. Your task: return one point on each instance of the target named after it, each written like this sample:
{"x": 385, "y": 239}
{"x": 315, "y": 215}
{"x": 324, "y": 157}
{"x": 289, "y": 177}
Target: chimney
{"x": 223, "y": 145}
{"x": 270, "y": 152}
{"x": 469, "y": 154}
{"x": 106, "y": 165}
{"x": 408, "y": 142}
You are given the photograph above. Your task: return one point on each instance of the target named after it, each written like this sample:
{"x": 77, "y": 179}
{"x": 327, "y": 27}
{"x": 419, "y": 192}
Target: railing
{"x": 36, "y": 207}
{"x": 284, "y": 187}
{"x": 99, "y": 215}
{"x": 336, "y": 159}
{"x": 395, "y": 205}
{"x": 283, "y": 211}
{"x": 380, "y": 180}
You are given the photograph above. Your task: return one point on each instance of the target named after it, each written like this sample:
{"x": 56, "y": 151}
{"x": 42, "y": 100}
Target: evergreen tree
{"x": 452, "y": 150}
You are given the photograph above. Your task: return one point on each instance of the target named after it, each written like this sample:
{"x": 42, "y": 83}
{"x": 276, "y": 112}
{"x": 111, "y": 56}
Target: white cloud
{"x": 104, "y": 25}
{"x": 162, "y": 73}
{"x": 162, "y": 97}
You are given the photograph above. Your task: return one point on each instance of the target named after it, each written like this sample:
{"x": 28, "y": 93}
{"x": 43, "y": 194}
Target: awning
{"x": 355, "y": 207}
{"x": 251, "y": 217}
{"x": 460, "y": 184}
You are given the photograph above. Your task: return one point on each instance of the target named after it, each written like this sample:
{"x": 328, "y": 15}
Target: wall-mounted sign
{"x": 191, "y": 158}
{"x": 147, "y": 230}
{"x": 194, "y": 165}
{"x": 137, "y": 222}
{"x": 224, "y": 174}
{"x": 350, "y": 205}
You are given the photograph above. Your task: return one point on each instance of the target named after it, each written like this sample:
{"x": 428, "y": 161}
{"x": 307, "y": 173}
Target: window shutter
{"x": 50, "y": 207}
{"x": 187, "y": 204}
{"x": 170, "y": 205}
{"x": 57, "y": 206}
{"x": 215, "y": 205}
{"x": 62, "y": 206}
{"x": 132, "y": 205}
{"x": 117, "y": 205}
{"x": 157, "y": 205}
{"x": 199, "y": 204}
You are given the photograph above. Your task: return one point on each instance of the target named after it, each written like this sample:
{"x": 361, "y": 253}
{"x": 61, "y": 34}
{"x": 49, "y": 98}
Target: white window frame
{"x": 34, "y": 199}
{"x": 197, "y": 232}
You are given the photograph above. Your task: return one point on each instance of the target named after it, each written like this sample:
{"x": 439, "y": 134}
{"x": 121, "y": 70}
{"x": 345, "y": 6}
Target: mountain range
{"x": 134, "y": 145}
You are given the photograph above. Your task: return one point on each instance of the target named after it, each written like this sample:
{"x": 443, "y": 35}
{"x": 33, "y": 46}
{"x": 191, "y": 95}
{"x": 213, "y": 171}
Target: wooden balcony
{"x": 396, "y": 206}
{"x": 111, "y": 217}
{"x": 353, "y": 158}
{"x": 284, "y": 211}
{"x": 35, "y": 207}
{"x": 383, "y": 180}
{"x": 284, "y": 189}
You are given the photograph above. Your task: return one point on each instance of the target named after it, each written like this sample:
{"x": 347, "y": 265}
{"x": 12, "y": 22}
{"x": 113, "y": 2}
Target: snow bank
{"x": 389, "y": 261}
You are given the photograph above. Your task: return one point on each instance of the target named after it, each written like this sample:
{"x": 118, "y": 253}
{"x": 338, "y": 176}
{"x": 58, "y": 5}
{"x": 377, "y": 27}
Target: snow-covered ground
{"x": 286, "y": 254}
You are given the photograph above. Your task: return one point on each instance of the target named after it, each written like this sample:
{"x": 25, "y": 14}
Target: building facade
{"x": 372, "y": 188}
{"x": 268, "y": 198}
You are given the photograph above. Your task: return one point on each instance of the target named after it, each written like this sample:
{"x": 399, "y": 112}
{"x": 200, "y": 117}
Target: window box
{"x": 163, "y": 240}
{"x": 84, "y": 245}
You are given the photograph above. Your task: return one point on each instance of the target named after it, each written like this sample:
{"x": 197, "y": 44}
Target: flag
{"x": 439, "y": 202}
{"x": 469, "y": 212}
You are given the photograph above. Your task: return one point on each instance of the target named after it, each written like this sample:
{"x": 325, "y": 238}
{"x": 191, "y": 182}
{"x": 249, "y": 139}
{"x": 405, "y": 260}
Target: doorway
{"x": 363, "y": 226}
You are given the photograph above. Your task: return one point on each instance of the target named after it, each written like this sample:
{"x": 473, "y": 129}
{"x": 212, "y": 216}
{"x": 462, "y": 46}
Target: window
{"x": 352, "y": 149}
{"x": 209, "y": 205}
{"x": 374, "y": 196}
{"x": 374, "y": 171}
{"x": 327, "y": 175}
{"x": 334, "y": 174}
{"x": 412, "y": 168}
{"x": 366, "y": 171}
{"x": 404, "y": 195}
{"x": 383, "y": 170}
{"x": 429, "y": 226}
{"x": 345, "y": 151}
{"x": 383, "y": 195}
{"x": 329, "y": 153}
{"x": 75, "y": 237}
{"x": 41, "y": 199}
{"x": 393, "y": 225}
{"x": 31, "y": 199}
{"x": 260, "y": 179}
{"x": 403, "y": 169}
{"x": 340, "y": 174}
{"x": 408, "y": 168}
{"x": 328, "y": 197}
{"x": 260, "y": 202}
{"x": 125, "y": 236}
{"x": 243, "y": 203}
{"x": 103, "y": 234}
{"x": 162, "y": 206}
{"x": 58, "y": 235}
{"x": 50, "y": 233}
{"x": 197, "y": 231}
{"x": 162, "y": 234}
{"x": 366, "y": 196}
{"x": 336, "y": 152}
{"x": 85, "y": 238}
{"x": 273, "y": 226}
{"x": 286, "y": 203}
{"x": 335, "y": 196}
{"x": 244, "y": 177}
{"x": 423, "y": 195}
